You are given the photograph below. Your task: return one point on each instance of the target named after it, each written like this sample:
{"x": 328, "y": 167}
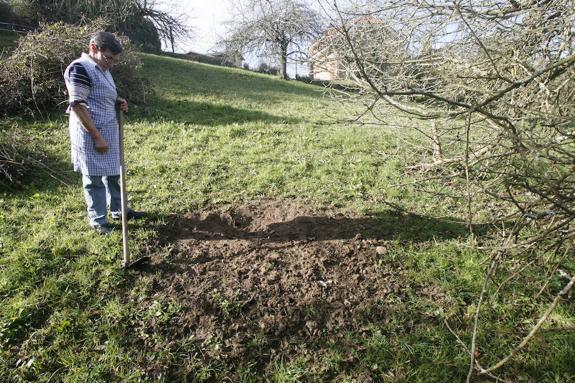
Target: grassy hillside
{"x": 8, "y": 40}
{"x": 212, "y": 142}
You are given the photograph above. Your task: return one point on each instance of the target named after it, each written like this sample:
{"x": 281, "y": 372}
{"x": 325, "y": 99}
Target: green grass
{"x": 214, "y": 135}
{"x": 8, "y": 40}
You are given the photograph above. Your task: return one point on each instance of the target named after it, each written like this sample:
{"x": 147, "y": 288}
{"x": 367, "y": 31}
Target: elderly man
{"x": 94, "y": 130}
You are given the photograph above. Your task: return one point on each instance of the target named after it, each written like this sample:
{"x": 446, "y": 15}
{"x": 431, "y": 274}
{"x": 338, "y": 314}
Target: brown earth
{"x": 258, "y": 281}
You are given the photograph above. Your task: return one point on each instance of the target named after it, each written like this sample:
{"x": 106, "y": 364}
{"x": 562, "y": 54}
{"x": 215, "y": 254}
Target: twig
{"x": 467, "y": 181}
{"x": 462, "y": 344}
{"x": 534, "y": 330}
{"x": 513, "y": 276}
{"x": 54, "y": 373}
{"x": 490, "y": 269}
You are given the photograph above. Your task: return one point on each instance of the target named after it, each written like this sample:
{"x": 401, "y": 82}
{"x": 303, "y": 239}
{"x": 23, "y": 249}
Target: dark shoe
{"x": 103, "y": 229}
{"x": 132, "y": 214}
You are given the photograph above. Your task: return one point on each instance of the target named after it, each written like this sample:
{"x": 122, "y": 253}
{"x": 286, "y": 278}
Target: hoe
{"x": 127, "y": 262}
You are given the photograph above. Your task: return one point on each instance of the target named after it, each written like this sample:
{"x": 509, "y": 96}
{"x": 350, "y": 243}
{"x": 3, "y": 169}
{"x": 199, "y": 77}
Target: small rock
{"x": 311, "y": 326}
{"x": 381, "y": 250}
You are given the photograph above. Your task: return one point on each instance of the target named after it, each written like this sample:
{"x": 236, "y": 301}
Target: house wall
{"x": 323, "y": 65}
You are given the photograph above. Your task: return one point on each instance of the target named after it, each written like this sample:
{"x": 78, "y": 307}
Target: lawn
{"x": 8, "y": 40}
{"x": 258, "y": 191}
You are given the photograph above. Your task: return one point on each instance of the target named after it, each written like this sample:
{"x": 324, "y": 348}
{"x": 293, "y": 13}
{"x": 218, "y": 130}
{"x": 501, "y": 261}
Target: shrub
{"x": 306, "y": 79}
{"x": 18, "y": 155}
{"x": 6, "y": 13}
{"x": 265, "y": 68}
{"x": 32, "y": 79}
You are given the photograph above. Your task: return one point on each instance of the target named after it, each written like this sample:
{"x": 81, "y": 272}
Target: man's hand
{"x": 100, "y": 144}
{"x": 122, "y": 104}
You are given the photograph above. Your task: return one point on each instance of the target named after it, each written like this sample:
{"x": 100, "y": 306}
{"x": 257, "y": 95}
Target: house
{"x": 329, "y": 56}
{"x": 324, "y": 62}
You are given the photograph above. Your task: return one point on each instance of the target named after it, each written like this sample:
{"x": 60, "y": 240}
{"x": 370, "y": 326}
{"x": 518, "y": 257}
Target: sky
{"x": 207, "y": 19}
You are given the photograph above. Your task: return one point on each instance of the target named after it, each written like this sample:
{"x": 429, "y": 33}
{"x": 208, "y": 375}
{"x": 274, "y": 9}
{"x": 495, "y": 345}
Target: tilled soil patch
{"x": 257, "y": 281}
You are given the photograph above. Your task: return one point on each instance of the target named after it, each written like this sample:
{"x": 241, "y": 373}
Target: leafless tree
{"x": 497, "y": 78}
{"x": 275, "y": 28}
{"x": 141, "y": 20}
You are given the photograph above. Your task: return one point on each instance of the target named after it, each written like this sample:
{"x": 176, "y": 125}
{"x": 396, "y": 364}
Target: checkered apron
{"x": 101, "y": 103}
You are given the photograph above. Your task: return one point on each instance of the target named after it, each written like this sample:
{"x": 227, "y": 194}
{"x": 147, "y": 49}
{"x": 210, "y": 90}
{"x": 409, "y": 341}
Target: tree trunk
{"x": 283, "y": 62}
{"x": 436, "y": 143}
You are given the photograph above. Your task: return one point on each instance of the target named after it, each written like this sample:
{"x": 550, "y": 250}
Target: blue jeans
{"x": 100, "y": 192}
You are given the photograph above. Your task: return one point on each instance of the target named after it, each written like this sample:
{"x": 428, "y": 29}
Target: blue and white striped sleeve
{"x": 78, "y": 84}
